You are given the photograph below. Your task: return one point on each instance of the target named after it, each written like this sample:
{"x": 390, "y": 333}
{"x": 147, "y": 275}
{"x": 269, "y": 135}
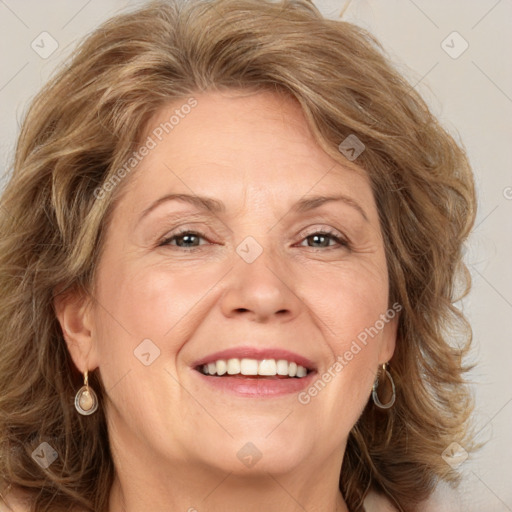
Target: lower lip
{"x": 257, "y": 388}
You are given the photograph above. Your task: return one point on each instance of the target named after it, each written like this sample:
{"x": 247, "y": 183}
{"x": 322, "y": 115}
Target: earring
{"x": 375, "y": 397}
{"x": 86, "y": 401}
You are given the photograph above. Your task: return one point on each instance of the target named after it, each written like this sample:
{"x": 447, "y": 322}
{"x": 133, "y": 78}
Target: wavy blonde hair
{"x": 89, "y": 119}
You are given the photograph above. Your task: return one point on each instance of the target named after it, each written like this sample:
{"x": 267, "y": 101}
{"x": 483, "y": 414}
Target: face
{"x": 262, "y": 269}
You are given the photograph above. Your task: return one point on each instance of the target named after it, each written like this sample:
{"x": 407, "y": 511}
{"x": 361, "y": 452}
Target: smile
{"x": 280, "y": 368}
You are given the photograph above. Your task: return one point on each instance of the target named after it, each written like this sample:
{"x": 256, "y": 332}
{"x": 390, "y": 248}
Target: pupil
{"x": 186, "y": 238}
{"x": 316, "y": 237}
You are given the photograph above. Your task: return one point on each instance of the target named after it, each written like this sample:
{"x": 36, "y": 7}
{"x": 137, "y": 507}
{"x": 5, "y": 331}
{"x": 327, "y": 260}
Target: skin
{"x": 174, "y": 440}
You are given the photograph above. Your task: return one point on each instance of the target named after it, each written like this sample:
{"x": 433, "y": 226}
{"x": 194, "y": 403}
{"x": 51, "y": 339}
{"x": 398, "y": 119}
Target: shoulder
{"x": 18, "y": 500}
{"x": 15, "y": 500}
{"x": 375, "y": 502}
{"x": 443, "y": 499}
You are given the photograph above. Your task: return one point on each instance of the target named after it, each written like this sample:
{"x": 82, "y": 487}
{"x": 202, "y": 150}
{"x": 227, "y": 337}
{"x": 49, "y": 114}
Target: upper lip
{"x": 256, "y": 353}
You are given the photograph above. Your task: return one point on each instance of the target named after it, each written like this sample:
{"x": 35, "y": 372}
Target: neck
{"x": 203, "y": 489}
{"x": 149, "y": 478}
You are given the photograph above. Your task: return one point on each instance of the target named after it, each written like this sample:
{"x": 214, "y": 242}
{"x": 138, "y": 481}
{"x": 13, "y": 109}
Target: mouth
{"x": 255, "y": 372}
{"x": 246, "y": 368}
{"x": 256, "y": 379}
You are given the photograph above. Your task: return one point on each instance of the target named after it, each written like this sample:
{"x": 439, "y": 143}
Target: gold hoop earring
{"x": 86, "y": 401}
{"x": 375, "y": 397}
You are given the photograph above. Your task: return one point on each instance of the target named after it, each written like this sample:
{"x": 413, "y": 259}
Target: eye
{"x": 189, "y": 240}
{"x": 185, "y": 237}
{"x": 325, "y": 236}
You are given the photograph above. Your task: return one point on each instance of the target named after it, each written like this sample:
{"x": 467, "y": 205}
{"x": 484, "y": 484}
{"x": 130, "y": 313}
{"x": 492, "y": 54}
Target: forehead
{"x": 238, "y": 143}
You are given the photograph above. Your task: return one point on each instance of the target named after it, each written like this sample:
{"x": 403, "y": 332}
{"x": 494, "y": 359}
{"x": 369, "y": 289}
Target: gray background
{"x": 470, "y": 91}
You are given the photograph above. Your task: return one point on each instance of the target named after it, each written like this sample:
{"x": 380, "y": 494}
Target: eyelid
{"x": 166, "y": 239}
{"x": 323, "y": 229}
{"x": 307, "y": 232}
{"x": 304, "y": 233}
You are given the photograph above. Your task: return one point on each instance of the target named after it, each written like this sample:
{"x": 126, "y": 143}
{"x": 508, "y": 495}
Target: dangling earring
{"x": 86, "y": 401}
{"x": 375, "y": 397}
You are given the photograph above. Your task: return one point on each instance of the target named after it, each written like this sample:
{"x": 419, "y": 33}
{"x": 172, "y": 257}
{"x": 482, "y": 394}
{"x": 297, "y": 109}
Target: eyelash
{"x": 327, "y": 232}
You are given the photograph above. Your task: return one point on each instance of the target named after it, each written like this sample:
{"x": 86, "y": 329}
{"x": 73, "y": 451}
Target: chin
{"x": 255, "y": 454}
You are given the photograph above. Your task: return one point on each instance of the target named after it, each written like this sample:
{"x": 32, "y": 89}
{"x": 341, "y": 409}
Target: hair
{"x": 88, "y": 120}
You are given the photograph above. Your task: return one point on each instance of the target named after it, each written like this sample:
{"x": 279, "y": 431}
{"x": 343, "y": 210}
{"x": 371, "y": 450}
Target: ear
{"x": 74, "y": 313}
{"x": 388, "y": 340}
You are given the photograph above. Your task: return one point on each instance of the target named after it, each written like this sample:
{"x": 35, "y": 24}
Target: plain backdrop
{"x": 456, "y": 54}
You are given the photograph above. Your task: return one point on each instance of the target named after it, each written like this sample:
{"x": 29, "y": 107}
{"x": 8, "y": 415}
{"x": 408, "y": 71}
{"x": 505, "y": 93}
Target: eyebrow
{"x": 200, "y": 202}
{"x": 309, "y": 203}
{"x": 216, "y": 206}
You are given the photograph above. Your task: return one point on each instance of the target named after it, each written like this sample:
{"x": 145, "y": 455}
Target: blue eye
{"x": 321, "y": 236}
{"x": 188, "y": 237}
{"x": 189, "y": 240}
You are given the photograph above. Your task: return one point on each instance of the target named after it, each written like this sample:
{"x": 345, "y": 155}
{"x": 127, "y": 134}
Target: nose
{"x": 261, "y": 291}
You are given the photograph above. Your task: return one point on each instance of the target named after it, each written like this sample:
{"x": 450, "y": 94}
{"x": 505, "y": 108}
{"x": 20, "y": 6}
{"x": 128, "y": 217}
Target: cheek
{"x": 348, "y": 299}
{"x": 350, "y": 304}
{"x": 140, "y": 304}
{"x": 350, "y": 320}
{"x": 153, "y": 303}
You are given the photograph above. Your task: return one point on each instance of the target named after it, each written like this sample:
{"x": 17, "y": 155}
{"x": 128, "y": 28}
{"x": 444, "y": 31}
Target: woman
{"x": 231, "y": 245}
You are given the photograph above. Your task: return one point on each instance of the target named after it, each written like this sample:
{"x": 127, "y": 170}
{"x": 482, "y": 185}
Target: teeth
{"x": 222, "y": 367}
{"x": 233, "y": 366}
{"x": 264, "y": 367}
{"x": 267, "y": 367}
{"x": 282, "y": 367}
{"x": 301, "y": 371}
{"x": 249, "y": 367}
